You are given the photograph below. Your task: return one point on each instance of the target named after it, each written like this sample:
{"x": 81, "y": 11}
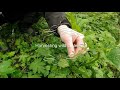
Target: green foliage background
{"x": 21, "y": 56}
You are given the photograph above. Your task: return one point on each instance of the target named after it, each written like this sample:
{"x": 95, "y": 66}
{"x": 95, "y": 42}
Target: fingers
{"x": 70, "y": 37}
{"x": 70, "y": 47}
{"x": 80, "y": 45}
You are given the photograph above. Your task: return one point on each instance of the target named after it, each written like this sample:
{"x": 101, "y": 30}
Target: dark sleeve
{"x": 55, "y": 19}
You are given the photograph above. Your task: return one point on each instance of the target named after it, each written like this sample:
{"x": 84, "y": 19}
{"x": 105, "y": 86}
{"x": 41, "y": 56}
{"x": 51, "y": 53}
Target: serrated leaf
{"x": 42, "y": 51}
{"x": 37, "y": 66}
{"x": 24, "y": 58}
{"x": 63, "y": 63}
{"x": 49, "y": 60}
{"x": 51, "y": 75}
{"x": 5, "y": 67}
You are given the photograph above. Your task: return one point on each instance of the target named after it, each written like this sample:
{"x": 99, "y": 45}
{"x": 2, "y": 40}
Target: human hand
{"x": 73, "y": 40}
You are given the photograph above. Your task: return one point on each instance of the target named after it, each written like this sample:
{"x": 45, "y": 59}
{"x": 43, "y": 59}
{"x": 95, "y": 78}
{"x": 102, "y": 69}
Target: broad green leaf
{"x": 6, "y": 68}
{"x": 114, "y": 57}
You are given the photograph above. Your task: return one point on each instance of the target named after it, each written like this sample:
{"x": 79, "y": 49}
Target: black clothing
{"x": 26, "y": 19}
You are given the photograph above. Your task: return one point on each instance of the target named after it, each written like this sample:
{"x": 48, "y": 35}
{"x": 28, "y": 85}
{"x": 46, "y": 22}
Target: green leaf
{"x": 85, "y": 72}
{"x": 114, "y": 57}
{"x": 29, "y": 60}
{"x": 110, "y": 74}
{"x": 17, "y": 74}
{"x": 6, "y": 68}
{"x": 10, "y": 54}
{"x": 23, "y": 58}
{"x": 43, "y": 50}
{"x": 31, "y": 75}
{"x": 47, "y": 67}
{"x": 49, "y": 60}
{"x": 60, "y": 76}
{"x": 73, "y": 21}
{"x": 63, "y": 63}
{"x": 99, "y": 74}
{"x": 37, "y": 66}
{"x": 51, "y": 75}
{"x": 45, "y": 73}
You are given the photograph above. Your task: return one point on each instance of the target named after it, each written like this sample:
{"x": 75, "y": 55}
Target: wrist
{"x": 62, "y": 28}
